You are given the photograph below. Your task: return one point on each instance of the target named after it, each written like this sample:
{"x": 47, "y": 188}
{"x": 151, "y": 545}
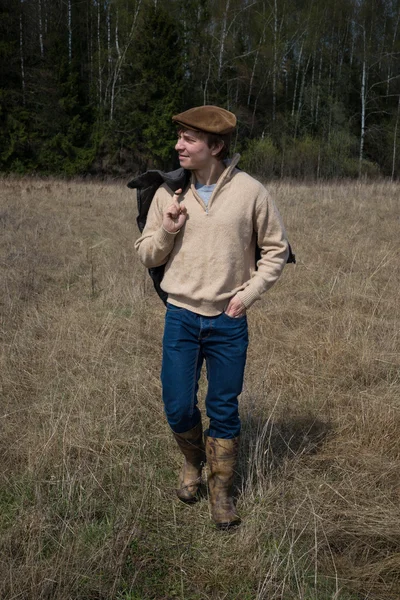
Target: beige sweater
{"x": 212, "y": 257}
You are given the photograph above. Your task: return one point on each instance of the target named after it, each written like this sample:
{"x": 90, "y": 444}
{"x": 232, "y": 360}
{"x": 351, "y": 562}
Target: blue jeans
{"x": 188, "y": 340}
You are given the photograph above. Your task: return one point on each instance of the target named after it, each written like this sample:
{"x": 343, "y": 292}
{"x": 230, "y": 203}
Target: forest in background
{"x": 89, "y": 86}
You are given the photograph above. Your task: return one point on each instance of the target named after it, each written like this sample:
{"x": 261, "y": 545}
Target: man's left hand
{"x": 235, "y": 308}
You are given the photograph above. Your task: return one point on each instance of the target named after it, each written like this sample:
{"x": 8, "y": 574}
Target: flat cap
{"x": 211, "y": 119}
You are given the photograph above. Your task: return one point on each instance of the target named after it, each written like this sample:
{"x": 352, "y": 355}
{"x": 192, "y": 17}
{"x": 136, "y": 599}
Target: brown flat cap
{"x": 212, "y": 119}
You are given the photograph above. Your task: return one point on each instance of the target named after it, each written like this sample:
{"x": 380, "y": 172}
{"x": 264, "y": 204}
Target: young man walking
{"x": 206, "y": 235}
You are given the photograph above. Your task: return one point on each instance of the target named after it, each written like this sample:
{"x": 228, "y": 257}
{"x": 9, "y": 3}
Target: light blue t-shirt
{"x": 205, "y": 191}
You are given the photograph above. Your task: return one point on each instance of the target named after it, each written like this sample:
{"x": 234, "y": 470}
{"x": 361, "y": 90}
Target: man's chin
{"x": 184, "y": 162}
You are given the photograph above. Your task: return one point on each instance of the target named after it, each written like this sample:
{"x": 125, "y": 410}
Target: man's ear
{"x": 216, "y": 148}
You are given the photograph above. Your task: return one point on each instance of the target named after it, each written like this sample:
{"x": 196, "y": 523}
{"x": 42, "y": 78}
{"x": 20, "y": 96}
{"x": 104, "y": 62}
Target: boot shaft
{"x": 221, "y": 458}
{"x": 191, "y": 444}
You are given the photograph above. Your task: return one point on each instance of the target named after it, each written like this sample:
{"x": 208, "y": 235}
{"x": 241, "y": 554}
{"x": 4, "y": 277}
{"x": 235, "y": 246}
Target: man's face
{"x": 193, "y": 150}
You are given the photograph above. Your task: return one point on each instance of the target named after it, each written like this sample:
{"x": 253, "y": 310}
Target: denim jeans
{"x": 188, "y": 340}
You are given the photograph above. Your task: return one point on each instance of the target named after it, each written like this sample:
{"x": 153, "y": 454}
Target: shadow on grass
{"x": 267, "y": 445}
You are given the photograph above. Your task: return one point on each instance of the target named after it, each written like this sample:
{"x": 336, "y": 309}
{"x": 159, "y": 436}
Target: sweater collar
{"x": 226, "y": 175}
{"x": 230, "y": 164}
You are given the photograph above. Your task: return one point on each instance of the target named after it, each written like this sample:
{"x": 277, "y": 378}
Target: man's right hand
{"x": 175, "y": 215}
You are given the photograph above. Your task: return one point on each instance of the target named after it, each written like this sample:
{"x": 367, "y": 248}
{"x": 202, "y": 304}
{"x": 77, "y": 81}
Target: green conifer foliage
{"x": 155, "y": 68}
{"x": 89, "y": 86}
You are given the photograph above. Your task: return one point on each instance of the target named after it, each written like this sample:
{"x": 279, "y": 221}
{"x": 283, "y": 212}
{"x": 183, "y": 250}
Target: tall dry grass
{"x": 88, "y": 466}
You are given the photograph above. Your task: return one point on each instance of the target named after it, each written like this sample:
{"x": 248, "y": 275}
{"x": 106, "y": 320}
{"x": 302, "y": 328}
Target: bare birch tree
{"x": 222, "y": 39}
{"x": 40, "y": 28}
{"x": 363, "y": 101}
{"x": 121, "y": 58}
{"x": 395, "y": 140}
{"x": 275, "y": 67}
{"x": 100, "y": 83}
{"x": 69, "y": 31}
{"x": 21, "y": 52}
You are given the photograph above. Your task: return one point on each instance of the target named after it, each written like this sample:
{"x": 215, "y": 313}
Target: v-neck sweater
{"x": 212, "y": 257}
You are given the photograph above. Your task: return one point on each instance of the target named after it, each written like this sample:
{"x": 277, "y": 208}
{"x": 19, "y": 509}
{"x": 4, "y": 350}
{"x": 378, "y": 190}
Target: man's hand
{"x": 175, "y": 215}
{"x": 235, "y": 308}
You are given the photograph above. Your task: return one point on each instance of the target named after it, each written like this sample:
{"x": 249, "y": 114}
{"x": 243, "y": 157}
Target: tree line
{"x": 89, "y": 86}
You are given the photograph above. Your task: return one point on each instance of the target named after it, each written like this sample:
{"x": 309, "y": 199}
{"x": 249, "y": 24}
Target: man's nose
{"x": 178, "y": 144}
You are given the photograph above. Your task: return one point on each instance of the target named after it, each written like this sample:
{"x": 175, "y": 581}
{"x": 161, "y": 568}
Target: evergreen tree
{"x": 91, "y": 85}
{"x": 155, "y": 68}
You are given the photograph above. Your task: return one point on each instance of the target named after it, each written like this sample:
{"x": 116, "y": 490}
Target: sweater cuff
{"x": 248, "y": 296}
{"x": 165, "y": 239}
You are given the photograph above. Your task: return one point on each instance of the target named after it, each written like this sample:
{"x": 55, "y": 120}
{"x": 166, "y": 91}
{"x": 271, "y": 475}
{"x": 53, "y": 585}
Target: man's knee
{"x": 182, "y": 421}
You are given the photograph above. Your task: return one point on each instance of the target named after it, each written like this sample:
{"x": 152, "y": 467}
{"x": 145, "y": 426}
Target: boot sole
{"x": 188, "y": 500}
{"x": 227, "y": 526}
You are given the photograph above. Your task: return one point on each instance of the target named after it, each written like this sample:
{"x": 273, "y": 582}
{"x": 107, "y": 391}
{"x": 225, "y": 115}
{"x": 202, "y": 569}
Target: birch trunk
{"x": 223, "y": 39}
{"x": 330, "y": 75}
{"x": 121, "y": 57}
{"x": 363, "y": 99}
{"x": 341, "y": 52}
{"x": 286, "y": 79}
{"x": 395, "y": 139}
{"x": 69, "y": 31}
{"x": 297, "y": 79}
{"x": 21, "y": 54}
{"x": 109, "y": 41}
{"x": 206, "y": 82}
{"x": 383, "y": 43}
{"x": 99, "y": 53}
{"x": 253, "y": 71}
{"x": 185, "y": 36}
{"x": 41, "y": 29}
{"x": 301, "y": 93}
{"x": 312, "y": 88}
{"x": 252, "y": 78}
{"x": 45, "y": 17}
{"x": 389, "y": 74}
{"x": 90, "y": 45}
{"x": 352, "y": 43}
{"x": 330, "y": 104}
{"x": 318, "y": 90}
{"x": 260, "y": 91}
{"x": 117, "y": 36}
{"x": 275, "y": 61}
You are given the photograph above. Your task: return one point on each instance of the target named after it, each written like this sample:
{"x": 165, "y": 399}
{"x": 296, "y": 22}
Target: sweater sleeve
{"x": 155, "y": 244}
{"x": 274, "y": 246}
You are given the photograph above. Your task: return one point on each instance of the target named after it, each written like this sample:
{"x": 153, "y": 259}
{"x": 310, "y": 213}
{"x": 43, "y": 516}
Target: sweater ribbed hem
{"x": 200, "y": 307}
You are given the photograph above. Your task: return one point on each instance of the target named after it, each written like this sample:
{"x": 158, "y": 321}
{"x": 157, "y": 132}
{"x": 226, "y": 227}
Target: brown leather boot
{"x": 192, "y": 447}
{"x": 221, "y": 458}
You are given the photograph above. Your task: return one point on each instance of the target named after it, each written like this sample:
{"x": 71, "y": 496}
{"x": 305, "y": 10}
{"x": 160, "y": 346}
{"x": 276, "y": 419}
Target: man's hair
{"x": 217, "y": 138}
{"x": 214, "y": 139}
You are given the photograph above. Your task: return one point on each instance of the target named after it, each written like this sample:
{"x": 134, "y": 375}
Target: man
{"x": 206, "y": 235}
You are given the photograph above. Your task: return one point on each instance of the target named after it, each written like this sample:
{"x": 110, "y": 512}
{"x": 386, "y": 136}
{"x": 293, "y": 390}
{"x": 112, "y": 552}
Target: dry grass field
{"x": 88, "y": 467}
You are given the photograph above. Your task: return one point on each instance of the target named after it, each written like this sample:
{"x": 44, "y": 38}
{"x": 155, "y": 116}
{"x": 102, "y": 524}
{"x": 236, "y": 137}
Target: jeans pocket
{"x": 234, "y": 318}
